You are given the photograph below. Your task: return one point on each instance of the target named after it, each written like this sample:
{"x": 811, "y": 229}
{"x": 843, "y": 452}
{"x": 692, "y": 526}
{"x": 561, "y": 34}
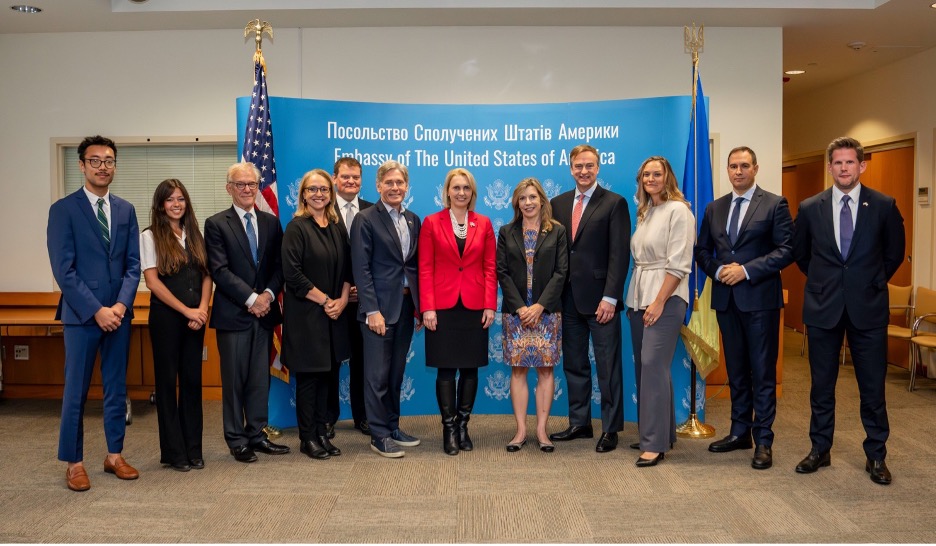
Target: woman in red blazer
{"x": 457, "y": 295}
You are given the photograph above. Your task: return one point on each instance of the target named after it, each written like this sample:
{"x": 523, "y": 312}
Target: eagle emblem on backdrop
{"x": 498, "y": 386}
{"x": 551, "y": 188}
{"x": 498, "y": 195}
{"x": 344, "y": 391}
{"x": 438, "y": 197}
{"x": 495, "y": 348}
{"x": 596, "y": 391}
{"x": 292, "y": 193}
{"x": 407, "y": 390}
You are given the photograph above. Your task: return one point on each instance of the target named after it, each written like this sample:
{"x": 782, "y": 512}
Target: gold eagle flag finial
{"x": 258, "y": 27}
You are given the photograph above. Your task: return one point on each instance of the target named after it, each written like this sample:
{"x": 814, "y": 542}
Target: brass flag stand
{"x": 694, "y": 41}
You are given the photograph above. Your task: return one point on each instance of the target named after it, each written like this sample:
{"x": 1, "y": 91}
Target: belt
{"x": 406, "y": 291}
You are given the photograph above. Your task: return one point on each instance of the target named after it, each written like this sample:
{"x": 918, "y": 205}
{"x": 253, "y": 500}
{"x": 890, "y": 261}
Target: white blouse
{"x": 148, "y": 249}
{"x": 662, "y": 244}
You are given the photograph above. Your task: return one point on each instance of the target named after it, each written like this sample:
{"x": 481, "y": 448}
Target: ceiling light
{"x": 933, "y": 5}
{"x": 794, "y": 72}
{"x": 26, "y": 9}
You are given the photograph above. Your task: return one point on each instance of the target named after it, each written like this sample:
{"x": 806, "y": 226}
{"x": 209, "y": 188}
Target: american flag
{"x": 258, "y": 149}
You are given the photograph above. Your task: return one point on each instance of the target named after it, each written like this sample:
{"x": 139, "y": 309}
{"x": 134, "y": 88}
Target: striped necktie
{"x": 102, "y": 221}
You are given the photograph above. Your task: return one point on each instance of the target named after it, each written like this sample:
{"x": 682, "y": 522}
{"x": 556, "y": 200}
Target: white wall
{"x": 878, "y": 106}
{"x": 183, "y": 83}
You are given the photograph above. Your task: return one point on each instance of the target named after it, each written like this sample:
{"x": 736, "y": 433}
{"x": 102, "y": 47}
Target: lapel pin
{"x": 472, "y": 224}
{"x": 864, "y": 204}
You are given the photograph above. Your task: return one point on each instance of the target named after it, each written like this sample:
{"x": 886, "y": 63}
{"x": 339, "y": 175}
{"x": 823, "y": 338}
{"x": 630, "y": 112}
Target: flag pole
{"x": 258, "y": 28}
{"x": 694, "y": 40}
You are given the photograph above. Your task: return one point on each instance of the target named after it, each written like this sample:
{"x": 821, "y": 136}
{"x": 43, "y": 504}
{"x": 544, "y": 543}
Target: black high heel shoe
{"x": 641, "y": 462}
{"x": 515, "y": 447}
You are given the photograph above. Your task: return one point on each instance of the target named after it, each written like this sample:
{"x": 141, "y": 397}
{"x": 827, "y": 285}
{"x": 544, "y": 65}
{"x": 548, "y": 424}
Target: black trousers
{"x": 311, "y": 403}
{"x": 245, "y": 383}
{"x": 869, "y": 355}
{"x": 356, "y": 373}
{"x": 177, "y": 356}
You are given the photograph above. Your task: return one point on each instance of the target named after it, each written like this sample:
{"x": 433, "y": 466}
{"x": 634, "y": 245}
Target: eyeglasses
{"x": 317, "y": 189}
{"x": 241, "y": 186}
{"x": 95, "y": 162}
{"x": 584, "y": 166}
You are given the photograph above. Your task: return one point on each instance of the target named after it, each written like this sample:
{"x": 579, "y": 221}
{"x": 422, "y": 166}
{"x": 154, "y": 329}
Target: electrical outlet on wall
{"x": 21, "y": 352}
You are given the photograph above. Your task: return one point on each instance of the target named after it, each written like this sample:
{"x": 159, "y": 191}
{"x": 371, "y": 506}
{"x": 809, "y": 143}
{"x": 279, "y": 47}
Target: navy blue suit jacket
{"x": 234, "y": 272}
{"x": 764, "y": 247}
{"x": 89, "y": 275}
{"x": 857, "y": 283}
{"x": 379, "y": 265}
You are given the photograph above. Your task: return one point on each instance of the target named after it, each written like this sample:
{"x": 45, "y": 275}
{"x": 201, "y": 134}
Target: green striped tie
{"x": 102, "y": 220}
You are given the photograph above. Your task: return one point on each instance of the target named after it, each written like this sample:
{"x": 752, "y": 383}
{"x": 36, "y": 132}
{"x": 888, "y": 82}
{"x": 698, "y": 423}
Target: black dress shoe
{"x": 268, "y": 447}
{"x": 313, "y": 449}
{"x": 330, "y": 431}
{"x": 197, "y": 464}
{"x": 731, "y": 443}
{"x": 879, "y": 472}
{"x": 607, "y": 442}
{"x": 328, "y": 446}
{"x": 635, "y": 445}
{"x": 243, "y": 454}
{"x": 641, "y": 462}
{"x": 813, "y": 462}
{"x": 572, "y": 433}
{"x": 763, "y": 458}
{"x": 180, "y": 467}
{"x": 514, "y": 447}
{"x": 363, "y": 426}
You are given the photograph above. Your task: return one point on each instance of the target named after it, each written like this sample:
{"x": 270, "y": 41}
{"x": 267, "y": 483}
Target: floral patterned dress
{"x": 538, "y": 346}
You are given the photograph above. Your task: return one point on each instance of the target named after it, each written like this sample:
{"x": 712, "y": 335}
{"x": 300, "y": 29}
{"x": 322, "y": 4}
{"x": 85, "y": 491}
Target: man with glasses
{"x": 598, "y": 225}
{"x": 243, "y": 245}
{"x": 347, "y": 177}
{"x": 94, "y": 250}
{"x": 384, "y": 261}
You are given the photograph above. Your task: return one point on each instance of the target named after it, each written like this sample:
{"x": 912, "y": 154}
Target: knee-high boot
{"x": 467, "y": 389}
{"x": 445, "y": 394}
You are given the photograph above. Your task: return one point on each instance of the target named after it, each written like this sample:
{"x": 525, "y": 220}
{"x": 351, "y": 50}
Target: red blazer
{"x": 444, "y": 275}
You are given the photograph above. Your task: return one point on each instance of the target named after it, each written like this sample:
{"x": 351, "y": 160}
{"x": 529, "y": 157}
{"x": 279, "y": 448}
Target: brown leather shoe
{"x": 77, "y": 479}
{"x": 121, "y": 469}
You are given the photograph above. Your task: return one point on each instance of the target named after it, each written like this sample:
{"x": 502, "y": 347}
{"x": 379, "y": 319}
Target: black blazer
{"x": 379, "y": 266}
{"x": 857, "y": 284}
{"x": 313, "y": 257}
{"x": 600, "y": 255}
{"x": 550, "y": 267}
{"x": 764, "y": 247}
{"x": 234, "y": 272}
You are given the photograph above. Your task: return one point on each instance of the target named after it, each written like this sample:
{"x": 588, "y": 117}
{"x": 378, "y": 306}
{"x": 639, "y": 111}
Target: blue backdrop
{"x": 500, "y": 145}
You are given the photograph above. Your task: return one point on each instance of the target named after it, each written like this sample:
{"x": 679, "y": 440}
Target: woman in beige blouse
{"x": 657, "y": 299}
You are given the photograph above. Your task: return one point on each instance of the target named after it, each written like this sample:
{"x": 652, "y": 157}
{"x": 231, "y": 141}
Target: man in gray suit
{"x": 744, "y": 242}
{"x": 384, "y": 261}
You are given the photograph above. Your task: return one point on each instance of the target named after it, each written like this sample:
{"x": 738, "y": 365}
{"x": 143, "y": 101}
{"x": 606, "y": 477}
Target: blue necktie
{"x": 735, "y": 218}
{"x": 251, "y": 237}
{"x": 846, "y": 228}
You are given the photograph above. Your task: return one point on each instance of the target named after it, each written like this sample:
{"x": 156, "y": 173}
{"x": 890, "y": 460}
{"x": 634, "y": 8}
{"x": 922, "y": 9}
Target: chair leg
{"x": 844, "y": 348}
{"x": 913, "y": 367}
{"x": 802, "y": 351}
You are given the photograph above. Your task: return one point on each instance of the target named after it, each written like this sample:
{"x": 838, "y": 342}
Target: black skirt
{"x": 459, "y": 341}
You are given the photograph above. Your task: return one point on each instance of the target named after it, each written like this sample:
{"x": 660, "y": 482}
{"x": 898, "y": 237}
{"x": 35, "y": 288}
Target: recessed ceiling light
{"x": 794, "y": 72}
{"x": 933, "y": 5}
{"x": 26, "y": 9}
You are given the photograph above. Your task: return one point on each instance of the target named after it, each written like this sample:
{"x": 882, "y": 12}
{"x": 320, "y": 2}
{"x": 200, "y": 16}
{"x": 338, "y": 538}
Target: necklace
{"x": 461, "y": 230}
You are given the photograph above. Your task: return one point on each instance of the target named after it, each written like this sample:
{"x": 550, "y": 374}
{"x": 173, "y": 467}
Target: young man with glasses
{"x": 243, "y": 245}
{"x": 94, "y": 249}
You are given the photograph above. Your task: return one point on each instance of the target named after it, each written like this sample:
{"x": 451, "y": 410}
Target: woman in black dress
{"x": 317, "y": 275}
{"x": 458, "y": 295}
{"x": 173, "y": 260}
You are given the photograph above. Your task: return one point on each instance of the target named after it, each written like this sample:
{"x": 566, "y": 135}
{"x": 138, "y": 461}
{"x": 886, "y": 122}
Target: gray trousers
{"x": 245, "y": 383}
{"x": 654, "y": 347}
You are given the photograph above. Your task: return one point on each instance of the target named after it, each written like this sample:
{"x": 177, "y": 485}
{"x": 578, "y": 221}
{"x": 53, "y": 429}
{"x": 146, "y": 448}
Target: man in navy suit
{"x": 598, "y": 226}
{"x": 243, "y": 245}
{"x": 94, "y": 249}
{"x": 385, "y": 263}
{"x": 849, "y": 241}
{"x": 744, "y": 242}
{"x": 347, "y": 177}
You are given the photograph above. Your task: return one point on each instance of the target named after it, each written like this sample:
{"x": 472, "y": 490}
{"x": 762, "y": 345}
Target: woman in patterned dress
{"x": 532, "y": 265}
